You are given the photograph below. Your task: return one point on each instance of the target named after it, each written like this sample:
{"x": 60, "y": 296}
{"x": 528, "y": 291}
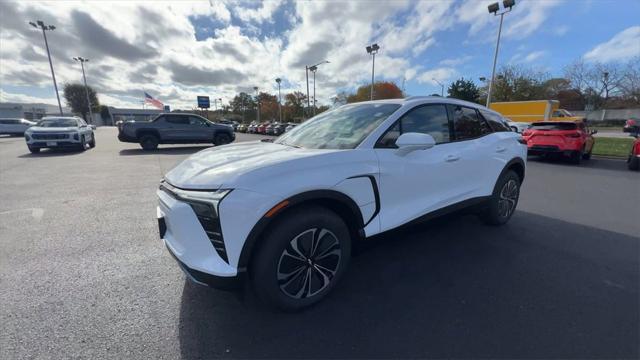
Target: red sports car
{"x": 567, "y": 138}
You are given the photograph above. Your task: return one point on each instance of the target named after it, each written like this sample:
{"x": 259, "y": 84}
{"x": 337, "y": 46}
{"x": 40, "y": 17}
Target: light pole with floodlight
{"x": 313, "y": 68}
{"x": 278, "y": 80}
{"x": 53, "y": 75}
{"x": 441, "y": 87}
{"x": 373, "y": 50}
{"x": 257, "y": 105}
{"x": 82, "y": 60}
{"x": 493, "y": 9}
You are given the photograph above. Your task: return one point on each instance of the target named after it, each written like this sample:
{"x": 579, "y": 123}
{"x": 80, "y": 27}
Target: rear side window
{"x": 173, "y": 119}
{"x": 467, "y": 124}
{"x": 495, "y": 121}
{"x": 195, "y": 121}
{"x": 553, "y": 126}
{"x": 428, "y": 119}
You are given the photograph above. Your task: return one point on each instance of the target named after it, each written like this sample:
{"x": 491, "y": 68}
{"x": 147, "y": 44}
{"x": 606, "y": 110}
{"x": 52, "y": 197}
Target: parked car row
{"x": 266, "y": 128}
{"x": 10, "y": 126}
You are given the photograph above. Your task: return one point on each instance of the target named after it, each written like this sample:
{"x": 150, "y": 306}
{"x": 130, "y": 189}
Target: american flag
{"x": 155, "y": 102}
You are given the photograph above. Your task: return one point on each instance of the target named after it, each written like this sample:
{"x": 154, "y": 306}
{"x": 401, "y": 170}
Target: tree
{"x": 76, "y": 97}
{"x": 381, "y": 90}
{"x": 516, "y": 83}
{"x": 464, "y": 90}
{"x": 105, "y": 114}
{"x": 268, "y": 106}
{"x": 243, "y": 104}
{"x": 294, "y": 104}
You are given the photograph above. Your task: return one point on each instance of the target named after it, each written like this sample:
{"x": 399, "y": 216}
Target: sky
{"x": 177, "y": 50}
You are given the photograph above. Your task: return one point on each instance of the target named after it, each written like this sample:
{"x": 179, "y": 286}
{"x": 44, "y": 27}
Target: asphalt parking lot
{"x": 83, "y": 273}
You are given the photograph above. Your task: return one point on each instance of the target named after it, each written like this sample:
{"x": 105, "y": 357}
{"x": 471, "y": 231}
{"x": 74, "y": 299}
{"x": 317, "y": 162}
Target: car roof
{"x": 417, "y": 100}
{"x": 60, "y": 118}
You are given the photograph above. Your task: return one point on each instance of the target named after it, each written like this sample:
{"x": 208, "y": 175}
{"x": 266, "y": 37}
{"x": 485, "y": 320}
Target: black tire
{"x": 92, "y": 143}
{"x": 149, "y": 142}
{"x": 576, "y": 157}
{"x": 83, "y": 143}
{"x": 221, "y": 139}
{"x": 34, "y": 150}
{"x": 633, "y": 163}
{"x": 280, "y": 279}
{"x": 504, "y": 200}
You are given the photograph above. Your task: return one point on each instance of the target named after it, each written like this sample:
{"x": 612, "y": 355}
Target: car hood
{"x": 51, "y": 129}
{"x": 222, "y": 166}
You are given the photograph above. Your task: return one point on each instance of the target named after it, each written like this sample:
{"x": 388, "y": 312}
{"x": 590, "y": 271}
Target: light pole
{"x": 493, "y": 9}
{"x": 278, "y": 80}
{"x": 313, "y": 68}
{"x": 257, "y": 104}
{"x": 46, "y": 44}
{"x": 82, "y": 60}
{"x": 441, "y": 87}
{"x": 373, "y": 50}
{"x": 221, "y": 108}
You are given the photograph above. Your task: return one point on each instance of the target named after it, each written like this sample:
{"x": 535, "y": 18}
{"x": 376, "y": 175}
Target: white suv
{"x": 284, "y": 214}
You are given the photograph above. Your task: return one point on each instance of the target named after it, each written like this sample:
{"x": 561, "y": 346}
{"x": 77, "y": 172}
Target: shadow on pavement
{"x": 164, "y": 151}
{"x": 53, "y": 152}
{"x": 536, "y": 288}
{"x": 593, "y": 163}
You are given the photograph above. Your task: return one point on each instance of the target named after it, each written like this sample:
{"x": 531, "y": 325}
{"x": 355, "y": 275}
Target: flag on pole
{"x": 155, "y": 102}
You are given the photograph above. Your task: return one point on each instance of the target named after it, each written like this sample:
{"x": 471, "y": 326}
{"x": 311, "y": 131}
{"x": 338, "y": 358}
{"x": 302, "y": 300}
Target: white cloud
{"x": 560, "y": 30}
{"x": 623, "y": 46}
{"x": 441, "y": 74}
{"x": 456, "y": 61}
{"x": 258, "y": 15}
{"x": 528, "y": 58}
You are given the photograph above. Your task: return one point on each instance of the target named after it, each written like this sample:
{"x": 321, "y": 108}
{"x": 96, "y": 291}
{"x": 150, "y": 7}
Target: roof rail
{"x": 418, "y": 97}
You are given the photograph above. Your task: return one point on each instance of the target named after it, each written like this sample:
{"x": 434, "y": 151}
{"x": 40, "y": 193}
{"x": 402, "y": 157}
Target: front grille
{"x": 50, "y": 136}
{"x": 207, "y": 217}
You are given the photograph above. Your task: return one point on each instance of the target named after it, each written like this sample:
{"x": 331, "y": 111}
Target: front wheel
{"x": 503, "y": 201}
{"x": 221, "y": 139}
{"x": 83, "y": 143}
{"x": 34, "y": 150}
{"x": 92, "y": 143}
{"x": 301, "y": 258}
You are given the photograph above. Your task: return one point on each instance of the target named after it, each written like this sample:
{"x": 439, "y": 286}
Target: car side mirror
{"x": 409, "y": 142}
{"x": 93, "y": 127}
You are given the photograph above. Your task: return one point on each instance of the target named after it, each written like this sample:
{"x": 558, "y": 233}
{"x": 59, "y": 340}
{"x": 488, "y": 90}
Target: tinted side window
{"x": 429, "y": 119}
{"x": 467, "y": 124}
{"x": 173, "y": 119}
{"x": 196, "y": 122}
{"x": 495, "y": 121}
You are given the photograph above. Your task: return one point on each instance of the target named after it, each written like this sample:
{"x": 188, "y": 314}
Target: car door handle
{"x": 451, "y": 158}
{"x": 500, "y": 149}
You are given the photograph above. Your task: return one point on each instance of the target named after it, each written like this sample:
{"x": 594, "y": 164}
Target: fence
{"x": 613, "y": 115}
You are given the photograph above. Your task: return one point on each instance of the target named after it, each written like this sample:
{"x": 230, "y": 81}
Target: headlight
{"x": 205, "y": 206}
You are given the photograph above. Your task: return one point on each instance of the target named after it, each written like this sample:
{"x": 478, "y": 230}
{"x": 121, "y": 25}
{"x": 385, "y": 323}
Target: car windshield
{"x": 56, "y": 123}
{"x": 553, "y": 126}
{"x": 342, "y": 128}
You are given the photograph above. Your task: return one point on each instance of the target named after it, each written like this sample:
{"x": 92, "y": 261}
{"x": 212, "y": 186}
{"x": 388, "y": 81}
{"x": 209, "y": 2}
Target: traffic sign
{"x": 203, "y": 102}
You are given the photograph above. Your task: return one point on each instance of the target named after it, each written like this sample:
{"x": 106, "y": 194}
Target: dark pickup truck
{"x": 175, "y": 128}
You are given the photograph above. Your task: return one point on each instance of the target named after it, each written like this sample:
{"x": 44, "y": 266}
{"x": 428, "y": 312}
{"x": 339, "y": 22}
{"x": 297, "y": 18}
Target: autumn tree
{"x": 381, "y": 90}
{"x": 464, "y": 90}
{"x": 243, "y": 104}
{"x": 294, "y": 104}
{"x": 76, "y": 98}
{"x": 268, "y": 106}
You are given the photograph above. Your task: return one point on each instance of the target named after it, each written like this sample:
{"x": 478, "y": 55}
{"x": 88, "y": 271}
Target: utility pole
{"x": 82, "y": 60}
{"x": 257, "y": 104}
{"x": 278, "y": 80}
{"x": 53, "y": 75}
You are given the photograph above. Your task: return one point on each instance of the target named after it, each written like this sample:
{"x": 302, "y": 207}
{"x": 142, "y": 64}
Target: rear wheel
{"x": 221, "y": 139}
{"x": 576, "y": 157}
{"x": 503, "y": 201}
{"x": 149, "y": 142}
{"x": 301, "y": 258}
{"x": 633, "y": 163}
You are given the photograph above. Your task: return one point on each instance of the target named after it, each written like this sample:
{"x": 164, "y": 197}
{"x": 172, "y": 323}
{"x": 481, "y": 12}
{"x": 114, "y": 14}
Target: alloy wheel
{"x": 309, "y": 263}
{"x": 508, "y": 198}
